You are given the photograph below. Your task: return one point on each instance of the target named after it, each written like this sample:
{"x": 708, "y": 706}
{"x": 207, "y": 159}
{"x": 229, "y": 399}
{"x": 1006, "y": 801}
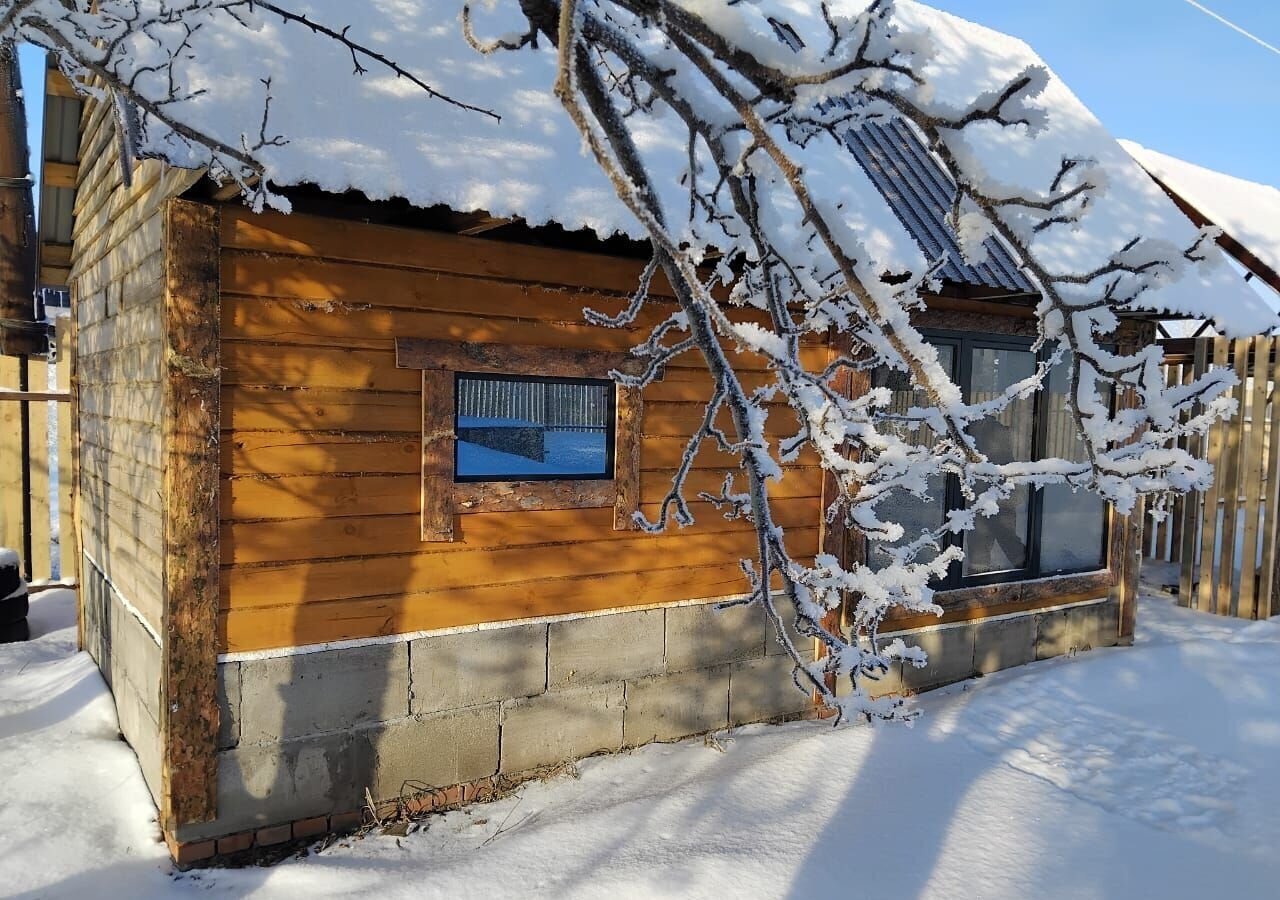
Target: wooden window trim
{"x": 443, "y": 497}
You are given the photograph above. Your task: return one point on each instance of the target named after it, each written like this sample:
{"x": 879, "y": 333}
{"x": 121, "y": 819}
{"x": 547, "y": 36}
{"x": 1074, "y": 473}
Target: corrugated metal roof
{"x": 921, "y": 193}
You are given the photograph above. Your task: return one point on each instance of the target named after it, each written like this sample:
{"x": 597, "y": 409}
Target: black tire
{"x": 14, "y": 632}
{"x": 14, "y": 609}
{"x": 10, "y": 577}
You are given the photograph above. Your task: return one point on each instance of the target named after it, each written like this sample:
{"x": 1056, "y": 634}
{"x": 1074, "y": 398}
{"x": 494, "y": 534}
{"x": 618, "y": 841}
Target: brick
{"x": 348, "y": 821}
{"x": 703, "y": 636}
{"x": 437, "y": 750}
{"x": 763, "y": 689}
{"x": 600, "y": 649}
{"x": 667, "y": 707}
{"x": 276, "y": 834}
{"x": 186, "y": 854}
{"x": 950, "y": 652}
{"x": 473, "y": 668}
{"x": 228, "y": 705}
{"x": 314, "y": 693}
{"x": 1003, "y": 644}
{"x": 1077, "y": 629}
{"x": 235, "y": 843}
{"x": 561, "y": 725}
{"x": 305, "y": 828}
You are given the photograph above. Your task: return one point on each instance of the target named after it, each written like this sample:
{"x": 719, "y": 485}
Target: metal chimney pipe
{"x": 20, "y": 333}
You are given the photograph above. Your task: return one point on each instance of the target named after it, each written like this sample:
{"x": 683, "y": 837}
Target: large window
{"x": 1035, "y": 533}
{"x": 524, "y": 427}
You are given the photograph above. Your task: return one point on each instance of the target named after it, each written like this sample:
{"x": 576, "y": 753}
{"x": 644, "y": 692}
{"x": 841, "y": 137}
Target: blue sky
{"x": 1157, "y": 71}
{"x": 1161, "y": 72}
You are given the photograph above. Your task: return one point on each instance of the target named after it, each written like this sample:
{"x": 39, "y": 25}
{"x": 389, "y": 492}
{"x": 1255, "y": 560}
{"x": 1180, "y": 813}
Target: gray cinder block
{"x": 761, "y": 689}
{"x": 228, "y": 705}
{"x": 266, "y": 784}
{"x": 561, "y": 725}
{"x": 1076, "y": 629}
{"x": 667, "y": 707}
{"x": 439, "y": 750}
{"x": 702, "y": 636}
{"x": 313, "y": 693}
{"x": 1004, "y": 643}
{"x": 456, "y": 670}
{"x": 950, "y": 652}
{"x": 601, "y": 649}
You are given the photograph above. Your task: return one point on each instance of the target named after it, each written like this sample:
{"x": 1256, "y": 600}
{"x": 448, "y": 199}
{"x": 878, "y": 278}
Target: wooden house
{"x": 305, "y": 596}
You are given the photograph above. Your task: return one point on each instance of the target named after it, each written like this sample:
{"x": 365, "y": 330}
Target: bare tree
{"x": 755, "y": 115}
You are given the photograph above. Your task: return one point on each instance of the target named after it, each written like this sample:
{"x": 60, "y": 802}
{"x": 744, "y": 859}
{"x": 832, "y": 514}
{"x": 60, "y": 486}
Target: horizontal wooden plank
{"x": 317, "y": 453}
{"x": 684, "y": 419}
{"x": 355, "y": 241}
{"x": 343, "y": 289}
{"x": 472, "y": 356}
{"x": 513, "y": 496}
{"x": 288, "y": 626}
{"x": 364, "y": 327}
{"x": 10, "y": 396}
{"x": 321, "y": 453}
{"x": 307, "y": 496}
{"x": 58, "y": 174}
{"x": 336, "y": 368}
{"x": 372, "y": 328}
{"x": 317, "y": 581}
{"x": 252, "y": 409}
{"x": 298, "y": 539}
{"x": 339, "y": 287}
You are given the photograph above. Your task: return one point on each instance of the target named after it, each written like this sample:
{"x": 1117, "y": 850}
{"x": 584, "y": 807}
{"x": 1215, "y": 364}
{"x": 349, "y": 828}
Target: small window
{"x": 526, "y": 428}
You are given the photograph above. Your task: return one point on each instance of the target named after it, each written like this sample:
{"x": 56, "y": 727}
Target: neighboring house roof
{"x": 378, "y": 134}
{"x": 921, "y": 193}
{"x": 1247, "y": 212}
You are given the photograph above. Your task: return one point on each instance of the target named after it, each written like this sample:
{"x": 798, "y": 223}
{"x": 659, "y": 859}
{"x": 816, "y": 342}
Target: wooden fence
{"x": 1225, "y": 539}
{"x": 36, "y": 500}
{"x": 555, "y": 405}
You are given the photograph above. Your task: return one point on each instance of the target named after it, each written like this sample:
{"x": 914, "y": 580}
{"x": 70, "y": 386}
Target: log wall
{"x": 118, "y": 283}
{"x": 321, "y": 433}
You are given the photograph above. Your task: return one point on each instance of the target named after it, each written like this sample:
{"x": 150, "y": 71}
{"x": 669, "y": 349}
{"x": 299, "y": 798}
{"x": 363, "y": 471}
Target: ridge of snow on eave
{"x": 1248, "y": 211}
{"x": 380, "y": 135}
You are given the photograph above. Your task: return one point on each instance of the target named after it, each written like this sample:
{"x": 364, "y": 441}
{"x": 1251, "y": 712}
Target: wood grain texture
{"x": 526, "y": 496}
{"x": 321, "y": 439}
{"x": 438, "y": 442}
{"x": 189, "y": 692}
{"x": 508, "y": 359}
{"x": 629, "y": 417}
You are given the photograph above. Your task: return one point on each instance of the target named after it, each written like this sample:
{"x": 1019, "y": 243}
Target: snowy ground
{"x": 1121, "y": 773}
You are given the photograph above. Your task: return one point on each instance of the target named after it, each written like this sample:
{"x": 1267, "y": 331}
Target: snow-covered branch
{"x": 760, "y": 102}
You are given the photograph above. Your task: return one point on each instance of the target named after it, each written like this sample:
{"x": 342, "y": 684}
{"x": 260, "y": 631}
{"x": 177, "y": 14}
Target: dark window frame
{"x": 607, "y": 473}
{"x": 963, "y": 344}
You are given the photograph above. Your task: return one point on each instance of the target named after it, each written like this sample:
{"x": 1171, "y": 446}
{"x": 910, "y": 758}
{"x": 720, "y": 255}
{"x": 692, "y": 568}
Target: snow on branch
{"x": 762, "y": 98}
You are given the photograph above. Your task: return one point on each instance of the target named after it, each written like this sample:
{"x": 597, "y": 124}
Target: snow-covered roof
{"x": 1247, "y": 211}
{"x": 381, "y": 135}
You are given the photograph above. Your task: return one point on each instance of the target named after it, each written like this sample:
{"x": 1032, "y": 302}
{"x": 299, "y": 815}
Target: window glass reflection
{"x": 533, "y": 428}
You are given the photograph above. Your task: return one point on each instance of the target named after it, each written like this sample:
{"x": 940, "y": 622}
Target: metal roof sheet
{"x": 920, "y": 193}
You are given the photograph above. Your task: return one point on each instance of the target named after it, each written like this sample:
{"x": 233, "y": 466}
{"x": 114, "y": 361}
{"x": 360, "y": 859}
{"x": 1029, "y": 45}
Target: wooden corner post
{"x": 189, "y": 688}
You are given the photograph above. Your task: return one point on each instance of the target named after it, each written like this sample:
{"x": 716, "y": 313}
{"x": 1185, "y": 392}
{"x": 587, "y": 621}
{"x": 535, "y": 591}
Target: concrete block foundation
{"x": 304, "y": 735}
